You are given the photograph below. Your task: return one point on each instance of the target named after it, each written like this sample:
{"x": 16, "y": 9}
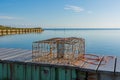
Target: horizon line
{"x": 81, "y": 28}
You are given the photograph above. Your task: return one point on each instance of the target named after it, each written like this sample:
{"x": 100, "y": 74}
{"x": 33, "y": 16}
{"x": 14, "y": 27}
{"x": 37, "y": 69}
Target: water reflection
{"x": 104, "y": 42}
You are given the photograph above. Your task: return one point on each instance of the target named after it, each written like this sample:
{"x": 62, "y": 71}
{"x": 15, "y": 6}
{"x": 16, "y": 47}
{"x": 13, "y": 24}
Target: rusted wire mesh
{"x": 58, "y": 50}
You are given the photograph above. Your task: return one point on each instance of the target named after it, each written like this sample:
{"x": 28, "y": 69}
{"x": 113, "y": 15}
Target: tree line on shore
{"x": 7, "y": 27}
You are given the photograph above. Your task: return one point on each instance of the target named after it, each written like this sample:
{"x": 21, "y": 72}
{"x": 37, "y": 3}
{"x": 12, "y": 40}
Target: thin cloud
{"x": 9, "y": 17}
{"x": 73, "y": 8}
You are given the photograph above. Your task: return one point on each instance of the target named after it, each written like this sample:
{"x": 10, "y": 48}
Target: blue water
{"x": 103, "y": 42}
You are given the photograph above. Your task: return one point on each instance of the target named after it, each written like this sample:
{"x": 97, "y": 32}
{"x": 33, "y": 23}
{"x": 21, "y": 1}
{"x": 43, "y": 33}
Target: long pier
{"x": 17, "y": 64}
{"x": 19, "y": 31}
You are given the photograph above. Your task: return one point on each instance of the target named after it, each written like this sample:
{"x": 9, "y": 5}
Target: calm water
{"x": 103, "y": 42}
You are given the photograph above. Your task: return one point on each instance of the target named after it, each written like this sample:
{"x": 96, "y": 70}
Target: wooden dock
{"x": 19, "y": 61}
{"x": 12, "y": 54}
{"x": 21, "y": 55}
{"x": 18, "y": 31}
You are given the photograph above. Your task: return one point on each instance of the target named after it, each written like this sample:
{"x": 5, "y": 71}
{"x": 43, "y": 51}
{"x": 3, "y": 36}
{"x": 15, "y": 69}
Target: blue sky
{"x": 61, "y": 13}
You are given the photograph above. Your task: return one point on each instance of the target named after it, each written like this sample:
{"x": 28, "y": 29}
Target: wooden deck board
{"x": 2, "y": 49}
{"x": 107, "y": 66}
{"x": 22, "y": 57}
{"x": 28, "y": 58}
{"x": 18, "y": 54}
{"x": 92, "y": 65}
{"x": 12, "y": 53}
{"x": 7, "y": 51}
{"x": 118, "y": 65}
{"x": 79, "y": 63}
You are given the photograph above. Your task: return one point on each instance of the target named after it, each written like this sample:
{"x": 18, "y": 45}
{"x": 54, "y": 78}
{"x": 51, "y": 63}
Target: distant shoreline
{"x": 4, "y": 30}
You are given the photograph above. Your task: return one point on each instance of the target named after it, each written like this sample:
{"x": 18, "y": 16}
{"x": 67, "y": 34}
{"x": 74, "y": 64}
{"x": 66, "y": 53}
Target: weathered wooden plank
{"x": 92, "y": 64}
{"x": 28, "y": 53}
{"x": 28, "y": 58}
{"x": 107, "y": 64}
{"x": 2, "y": 49}
{"x": 18, "y": 54}
{"x": 79, "y": 63}
{"x": 7, "y": 51}
{"x": 117, "y": 65}
{"x": 22, "y": 57}
{"x": 13, "y": 52}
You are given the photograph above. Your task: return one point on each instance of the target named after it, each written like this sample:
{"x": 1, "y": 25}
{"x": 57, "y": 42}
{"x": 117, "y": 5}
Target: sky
{"x": 60, "y": 13}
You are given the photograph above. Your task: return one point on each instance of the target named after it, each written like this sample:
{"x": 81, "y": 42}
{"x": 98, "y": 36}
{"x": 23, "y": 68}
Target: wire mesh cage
{"x": 58, "y": 50}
